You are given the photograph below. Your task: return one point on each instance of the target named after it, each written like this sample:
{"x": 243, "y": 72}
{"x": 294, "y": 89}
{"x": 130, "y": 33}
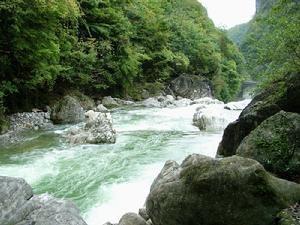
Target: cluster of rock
{"x": 30, "y": 120}
{"x": 268, "y": 130}
{"x": 19, "y": 122}
{"x": 19, "y": 206}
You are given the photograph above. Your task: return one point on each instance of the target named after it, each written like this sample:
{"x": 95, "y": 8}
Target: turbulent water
{"x": 106, "y": 181}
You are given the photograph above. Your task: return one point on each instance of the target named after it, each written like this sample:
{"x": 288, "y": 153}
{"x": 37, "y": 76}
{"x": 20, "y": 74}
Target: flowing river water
{"x": 106, "y": 181}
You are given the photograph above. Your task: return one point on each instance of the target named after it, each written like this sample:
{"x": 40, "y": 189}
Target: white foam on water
{"x": 123, "y": 197}
{"x": 39, "y": 165}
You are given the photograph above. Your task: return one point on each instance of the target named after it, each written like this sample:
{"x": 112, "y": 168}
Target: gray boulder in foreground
{"x": 207, "y": 191}
{"x": 67, "y": 110}
{"x": 18, "y": 206}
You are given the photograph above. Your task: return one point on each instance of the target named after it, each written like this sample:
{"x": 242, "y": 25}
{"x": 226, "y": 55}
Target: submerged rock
{"x": 67, "y": 110}
{"x": 206, "y": 191}
{"x": 275, "y": 143}
{"x": 19, "y": 206}
{"x": 191, "y": 87}
{"x": 98, "y": 129}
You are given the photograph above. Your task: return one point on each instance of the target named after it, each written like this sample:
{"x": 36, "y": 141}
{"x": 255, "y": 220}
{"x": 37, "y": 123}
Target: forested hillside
{"x": 238, "y": 33}
{"x": 108, "y": 47}
{"x": 271, "y": 45}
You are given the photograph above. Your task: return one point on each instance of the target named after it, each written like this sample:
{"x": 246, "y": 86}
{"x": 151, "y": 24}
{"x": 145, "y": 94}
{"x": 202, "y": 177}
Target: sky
{"x": 228, "y": 13}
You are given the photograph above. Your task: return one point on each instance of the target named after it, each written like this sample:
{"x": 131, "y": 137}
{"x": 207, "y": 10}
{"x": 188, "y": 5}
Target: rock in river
{"x": 207, "y": 191}
{"x": 98, "y": 129}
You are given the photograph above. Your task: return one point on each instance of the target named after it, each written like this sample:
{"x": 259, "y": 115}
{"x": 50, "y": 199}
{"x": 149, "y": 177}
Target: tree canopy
{"x": 108, "y": 47}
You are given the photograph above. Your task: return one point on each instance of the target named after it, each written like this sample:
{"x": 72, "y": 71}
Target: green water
{"x": 106, "y": 181}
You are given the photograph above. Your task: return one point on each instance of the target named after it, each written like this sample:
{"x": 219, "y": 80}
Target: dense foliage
{"x": 238, "y": 33}
{"x": 271, "y": 45}
{"x": 108, "y": 47}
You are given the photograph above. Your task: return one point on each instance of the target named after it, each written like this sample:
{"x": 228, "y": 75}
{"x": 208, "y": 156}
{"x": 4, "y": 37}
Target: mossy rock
{"x": 282, "y": 94}
{"x": 275, "y": 143}
{"x": 207, "y": 191}
{"x": 67, "y": 110}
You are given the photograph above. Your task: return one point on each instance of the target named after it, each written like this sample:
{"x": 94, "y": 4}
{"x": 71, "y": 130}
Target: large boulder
{"x": 207, "y": 191}
{"x": 191, "y": 87}
{"x": 281, "y": 95}
{"x": 275, "y": 143}
{"x": 19, "y": 206}
{"x": 67, "y": 110}
{"x": 98, "y": 129}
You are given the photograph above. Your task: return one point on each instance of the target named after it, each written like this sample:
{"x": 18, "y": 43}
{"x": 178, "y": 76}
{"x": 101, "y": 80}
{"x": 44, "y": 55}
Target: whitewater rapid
{"x": 106, "y": 181}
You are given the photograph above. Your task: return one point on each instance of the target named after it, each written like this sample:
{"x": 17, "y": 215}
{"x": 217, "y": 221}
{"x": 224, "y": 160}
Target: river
{"x": 106, "y": 181}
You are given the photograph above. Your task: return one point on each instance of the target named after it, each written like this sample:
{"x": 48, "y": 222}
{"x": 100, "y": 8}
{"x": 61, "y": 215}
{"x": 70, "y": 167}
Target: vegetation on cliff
{"x": 271, "y": 43}
{"x": 108, "y": 47}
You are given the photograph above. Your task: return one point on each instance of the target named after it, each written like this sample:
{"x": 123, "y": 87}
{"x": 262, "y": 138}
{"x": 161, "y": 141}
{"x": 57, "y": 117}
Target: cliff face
{"x": 263, "y": 6}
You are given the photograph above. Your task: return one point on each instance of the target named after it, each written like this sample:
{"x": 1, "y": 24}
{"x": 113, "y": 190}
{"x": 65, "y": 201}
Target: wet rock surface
{"x": 206, "y": 191}
{"x": 281, "y": 95}
{"x": 18, "y": 206}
